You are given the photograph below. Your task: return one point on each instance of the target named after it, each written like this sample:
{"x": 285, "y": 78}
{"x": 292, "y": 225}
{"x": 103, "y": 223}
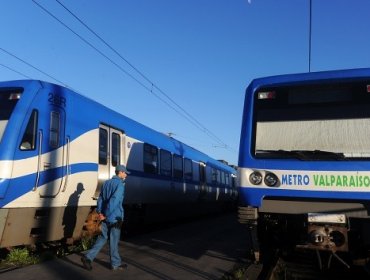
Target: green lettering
{"x": 352, "y": 182}
{"x": 332, "y": 180}
{"x": 322, "y": 181}
{"x": 339, "y": 181}
{"x": 366, "y": 181}
{"x": 316, "y": 179}
{"x": 326, "y": 180}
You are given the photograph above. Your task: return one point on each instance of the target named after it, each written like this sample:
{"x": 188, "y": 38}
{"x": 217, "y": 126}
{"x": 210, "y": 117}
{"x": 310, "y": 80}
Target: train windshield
{"x": 313, "y": 122}
{"x": 8, "y": 100}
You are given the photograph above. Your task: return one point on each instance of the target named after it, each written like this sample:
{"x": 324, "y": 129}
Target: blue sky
{"x": 200, "y": 53}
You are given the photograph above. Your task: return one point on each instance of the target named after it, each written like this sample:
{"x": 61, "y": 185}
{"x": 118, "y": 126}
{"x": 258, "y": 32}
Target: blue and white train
{"x": 304, "y": 163}
{"x": 57, "y": 147}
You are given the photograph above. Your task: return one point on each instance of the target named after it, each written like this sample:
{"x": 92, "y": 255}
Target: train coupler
{"x": 327, "y": 232}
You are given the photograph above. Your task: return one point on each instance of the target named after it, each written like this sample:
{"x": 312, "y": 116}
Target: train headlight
{"x": 317, "y": 237}
{"x": 271, "y": 179}
{"x": 338, "y": 238}
{"x": 255, "y": 178}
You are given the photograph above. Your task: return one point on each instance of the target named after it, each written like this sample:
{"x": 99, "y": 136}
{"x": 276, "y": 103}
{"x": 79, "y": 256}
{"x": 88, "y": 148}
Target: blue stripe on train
{"x": 250, "y": 196}
{"x": 21, "y": 185}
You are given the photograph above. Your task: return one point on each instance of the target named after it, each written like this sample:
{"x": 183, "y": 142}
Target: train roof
{"x": 132, "y": 128}
{"x": 278, "y": 80}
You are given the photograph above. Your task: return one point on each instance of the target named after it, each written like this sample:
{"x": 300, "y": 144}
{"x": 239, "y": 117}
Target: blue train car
{"x": 304, "y": 162}
{"x": 57, "y": 147}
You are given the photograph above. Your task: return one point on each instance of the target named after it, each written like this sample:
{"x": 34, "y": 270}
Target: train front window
{"x": 8, "y": 99}
{"x": 29, "y": 137}
{"x": 313, "y": 122}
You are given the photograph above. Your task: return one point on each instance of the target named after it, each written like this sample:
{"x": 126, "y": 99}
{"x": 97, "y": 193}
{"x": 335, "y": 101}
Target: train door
{"x": 51, "y": 170}
{"x": 111, "y": 153}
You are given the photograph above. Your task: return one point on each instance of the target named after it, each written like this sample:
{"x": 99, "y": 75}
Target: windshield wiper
{"x": 318, "y": 155}
{"x": 300, "y": 154}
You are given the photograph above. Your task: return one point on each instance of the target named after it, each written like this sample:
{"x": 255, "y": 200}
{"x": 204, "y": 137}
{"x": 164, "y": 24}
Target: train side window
{"x": 177, "y": 167}
{"x": 196, "y": 175}
{"x": 202, "y": 173}
{"x": 150, "y": 159}
{"x": 29, "y": 137}
{"x": 103, "y": 146}
{"x": 116, "y": 149}
{"x": 214, "y": 176}
{"x": 166, "y": 163}
{"x": 227, "y": 179}
{"x": 54, "y": 129}
{"x": 223, "y": 180}
{"x": 188, "y": 169}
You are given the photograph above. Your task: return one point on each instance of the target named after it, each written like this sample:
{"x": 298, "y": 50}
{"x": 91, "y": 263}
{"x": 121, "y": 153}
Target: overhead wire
{"x": 200, "y": 126}
{"x": 109, "y": 59}
{"x": 36, "y": 68}
{"x": 179, "y": 109}
{"x": 15, "y": 71}
{"x": 30, "y": 65}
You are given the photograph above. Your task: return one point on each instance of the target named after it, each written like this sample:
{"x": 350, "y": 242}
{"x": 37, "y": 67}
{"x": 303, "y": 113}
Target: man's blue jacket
{"x": 110, "y": 201}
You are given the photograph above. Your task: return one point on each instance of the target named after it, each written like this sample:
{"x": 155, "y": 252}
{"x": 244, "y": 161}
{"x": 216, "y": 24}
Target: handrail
{"x": 67, "y": 165}
{"x": 38, "y": 161}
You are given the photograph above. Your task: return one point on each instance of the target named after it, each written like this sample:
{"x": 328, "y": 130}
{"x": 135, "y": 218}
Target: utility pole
{"x": 309, "y": 35}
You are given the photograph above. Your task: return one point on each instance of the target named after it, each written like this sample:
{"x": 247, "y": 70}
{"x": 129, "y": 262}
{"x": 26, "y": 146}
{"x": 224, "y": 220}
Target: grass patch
{"x": 85, "y": 243}
{"x": 237, "y": 273}
{"x": 23, "y": 256}
{"x": 20, "y": 257}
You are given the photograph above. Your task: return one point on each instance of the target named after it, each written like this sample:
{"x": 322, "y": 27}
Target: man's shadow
{"x": 70, "y": 213}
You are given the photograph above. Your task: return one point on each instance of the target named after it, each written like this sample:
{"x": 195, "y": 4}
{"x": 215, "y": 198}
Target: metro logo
{"x": 295, "y": 179}
{"x": 325, "y": 180}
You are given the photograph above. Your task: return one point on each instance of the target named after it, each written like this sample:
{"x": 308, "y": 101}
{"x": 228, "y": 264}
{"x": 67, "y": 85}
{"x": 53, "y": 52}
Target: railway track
{"x": 7, "y": 269}
{"x": 306, "y": 265}
{"x": 206, "y": 248}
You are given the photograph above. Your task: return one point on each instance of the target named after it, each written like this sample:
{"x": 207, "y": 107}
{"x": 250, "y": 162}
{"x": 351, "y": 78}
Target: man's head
{"x": 121, "y": 171}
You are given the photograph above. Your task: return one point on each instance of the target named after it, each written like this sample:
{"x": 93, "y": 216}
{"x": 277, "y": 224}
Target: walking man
{"x": 110, "y": 210}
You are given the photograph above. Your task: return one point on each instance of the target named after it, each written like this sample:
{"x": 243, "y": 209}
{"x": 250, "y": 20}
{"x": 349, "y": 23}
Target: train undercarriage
{"x": 335, "y": 237}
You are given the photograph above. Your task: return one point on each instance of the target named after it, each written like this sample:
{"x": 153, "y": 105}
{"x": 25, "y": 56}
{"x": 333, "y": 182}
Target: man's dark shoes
{"x": 86, "y": 263}
{"x": 121, "y": 267}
